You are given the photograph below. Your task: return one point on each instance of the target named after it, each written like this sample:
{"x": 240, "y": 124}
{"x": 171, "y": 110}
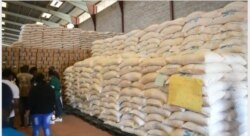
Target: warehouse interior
{"x": 146, "y": 68}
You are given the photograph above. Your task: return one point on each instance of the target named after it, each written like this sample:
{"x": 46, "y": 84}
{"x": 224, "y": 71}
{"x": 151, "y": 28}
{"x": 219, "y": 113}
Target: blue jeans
{"x": 41, "y": 120}
{"x": 58, "y": 107}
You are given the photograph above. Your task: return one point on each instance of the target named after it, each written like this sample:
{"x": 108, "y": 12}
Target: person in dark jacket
{"x": 41, "y": 105}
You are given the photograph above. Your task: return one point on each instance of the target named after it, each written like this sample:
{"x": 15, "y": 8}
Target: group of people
{"x": 32, "y": 95}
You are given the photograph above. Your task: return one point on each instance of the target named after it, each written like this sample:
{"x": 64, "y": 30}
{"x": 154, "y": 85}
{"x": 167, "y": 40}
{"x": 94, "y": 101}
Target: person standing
{"x": 55, "y": 84}
{"x": 7, "y": 106}
{"x": 33, "y": 71}
{"x": 24, "y": 78}
{"x": 41, "y": 105}
{"x": 7, "y": 79}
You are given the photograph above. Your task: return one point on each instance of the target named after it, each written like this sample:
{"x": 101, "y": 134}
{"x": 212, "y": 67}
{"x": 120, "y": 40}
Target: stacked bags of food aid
{"x": 69, "y": 79}
{"x": 172, "y": 36}
{"x": 210, "y": 68}
{"x": 97, "y": 86}
{"x": 155, "y": 96}
{"x": 76, "y": 86}
{"x": 111, "y": 91}
{"x": 131, "y": 95}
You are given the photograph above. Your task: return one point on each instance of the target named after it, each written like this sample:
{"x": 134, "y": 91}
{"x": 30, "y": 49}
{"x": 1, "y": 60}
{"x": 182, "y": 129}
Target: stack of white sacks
{"x": 131, "y": 99}
{"x": 97, "y": 86}
{"x": 110, "y": 94}
{"x": 155, "y": 98}
{"x": 69, "y": 80}
{"x": 58, "y": 37}
{"x": 209, "y": 46}
{"x": 80, "y": 98}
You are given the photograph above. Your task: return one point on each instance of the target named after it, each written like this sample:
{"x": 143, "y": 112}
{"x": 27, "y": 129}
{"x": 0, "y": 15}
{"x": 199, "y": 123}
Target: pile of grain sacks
{"x": 69, "y": 80}
{"x": 110, "y": 94}
{"x": 58, "y": 37}
{"x": 210, "y": 46}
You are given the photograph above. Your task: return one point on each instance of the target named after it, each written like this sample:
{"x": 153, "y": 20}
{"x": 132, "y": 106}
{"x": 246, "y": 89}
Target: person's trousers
{"x": 41, "y": 120}
{"x": 11, "y": 119}
{"x": 23, "y": 106}
{"x": 58, "y": 107}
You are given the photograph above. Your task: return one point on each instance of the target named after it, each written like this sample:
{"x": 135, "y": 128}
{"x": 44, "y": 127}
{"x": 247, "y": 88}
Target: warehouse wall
{"x": 140, "y": 14}
{"x": 87, "y": 25}
{"x": 184, "y": 8}
{"x": 109, "y": 19}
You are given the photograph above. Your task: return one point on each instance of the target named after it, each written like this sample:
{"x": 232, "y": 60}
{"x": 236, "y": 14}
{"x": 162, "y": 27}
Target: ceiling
{"x": 29, "y": 12}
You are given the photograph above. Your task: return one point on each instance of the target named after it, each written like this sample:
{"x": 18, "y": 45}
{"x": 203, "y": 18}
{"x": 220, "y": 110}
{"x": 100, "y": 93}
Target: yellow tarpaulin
{"x": 185, "y": 92}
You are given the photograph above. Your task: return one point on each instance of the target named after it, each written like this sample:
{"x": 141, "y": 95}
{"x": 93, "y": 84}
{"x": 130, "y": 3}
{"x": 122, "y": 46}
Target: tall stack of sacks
{"x": 111, "y": 91}
{"x": 97, "y": 85}
{"x": 131, "y": 43}
{"x": 233, "y": 48}
{"x": 197, "y": 31}
{"x": 238, "y": 80}
{"x": 76, "y": 86}
{"x": 149, "y": 43}
{"x": 210, "y": 68}
{"x": 131, "y": 96}
{"x": 97, "y": 47}
{"x": 85, "y": 86}
{"x": 156, "y": 99}
{"x": 69, "y": 91}
{"x": 117, "y": 45}
{"x": 172, "y": 36}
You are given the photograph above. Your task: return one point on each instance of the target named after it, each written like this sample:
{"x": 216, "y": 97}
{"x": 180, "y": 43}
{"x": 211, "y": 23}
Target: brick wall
{"x": 140, "y": 14}
{"x": 109, "y": 20}
{"x": 184, "y": 8}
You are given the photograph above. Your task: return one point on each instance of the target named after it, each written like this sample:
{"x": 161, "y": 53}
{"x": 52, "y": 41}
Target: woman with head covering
{"x": 41, "y": 105}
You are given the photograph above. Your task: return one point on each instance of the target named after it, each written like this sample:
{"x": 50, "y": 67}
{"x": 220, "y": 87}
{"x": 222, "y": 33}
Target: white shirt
{"x": 15, "y": 92}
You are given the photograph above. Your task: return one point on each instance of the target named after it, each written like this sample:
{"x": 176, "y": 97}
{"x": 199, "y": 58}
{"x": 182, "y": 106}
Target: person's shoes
{"x": 58, "y": 120}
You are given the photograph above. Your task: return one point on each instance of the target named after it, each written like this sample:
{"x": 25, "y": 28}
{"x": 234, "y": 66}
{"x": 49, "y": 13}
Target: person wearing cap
{"x": 7, "y": 106}
{"x": 41, "y": 105}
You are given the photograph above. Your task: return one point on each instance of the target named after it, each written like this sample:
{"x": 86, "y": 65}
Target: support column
{"x": 122, "y": 14}
{"x": 171, "y": 3}
{"x": 92, "y": 9}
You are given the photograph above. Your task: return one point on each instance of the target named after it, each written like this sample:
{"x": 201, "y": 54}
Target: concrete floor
{"x": 71, "y": 126}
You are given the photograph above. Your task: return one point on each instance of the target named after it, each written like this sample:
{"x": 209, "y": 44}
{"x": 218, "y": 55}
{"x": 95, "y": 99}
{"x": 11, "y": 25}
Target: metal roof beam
{"x": 79, "y": 4}
{"x": 11, "y": 22}
{"x": 10, "y": 34}
{"x": 11, "y": 29}
{"x": 61, "y": 15}
{"x": 31, "y": 18}
{"x": 9, "y": 38}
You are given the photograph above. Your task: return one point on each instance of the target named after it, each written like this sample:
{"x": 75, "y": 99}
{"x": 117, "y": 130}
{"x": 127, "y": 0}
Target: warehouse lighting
{"x": 3, "y": 23}
{"x": 56, "y": 3}
{"x": 4, "y": 4}
{"x": 46, "y": 15}
{"x": 3, "y": 15}
{"x": 70, "y": 26}
{"x": 39, "y": 23}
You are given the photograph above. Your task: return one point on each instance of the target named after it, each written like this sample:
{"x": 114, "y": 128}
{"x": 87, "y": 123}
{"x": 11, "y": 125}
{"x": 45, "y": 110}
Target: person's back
{"x": 42, "y": 99}
{"x": 41, "y": 105}
{"x": 7, "y": 106}
{"x": 24, "y": 79}
{"x": 7, "y": 78}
